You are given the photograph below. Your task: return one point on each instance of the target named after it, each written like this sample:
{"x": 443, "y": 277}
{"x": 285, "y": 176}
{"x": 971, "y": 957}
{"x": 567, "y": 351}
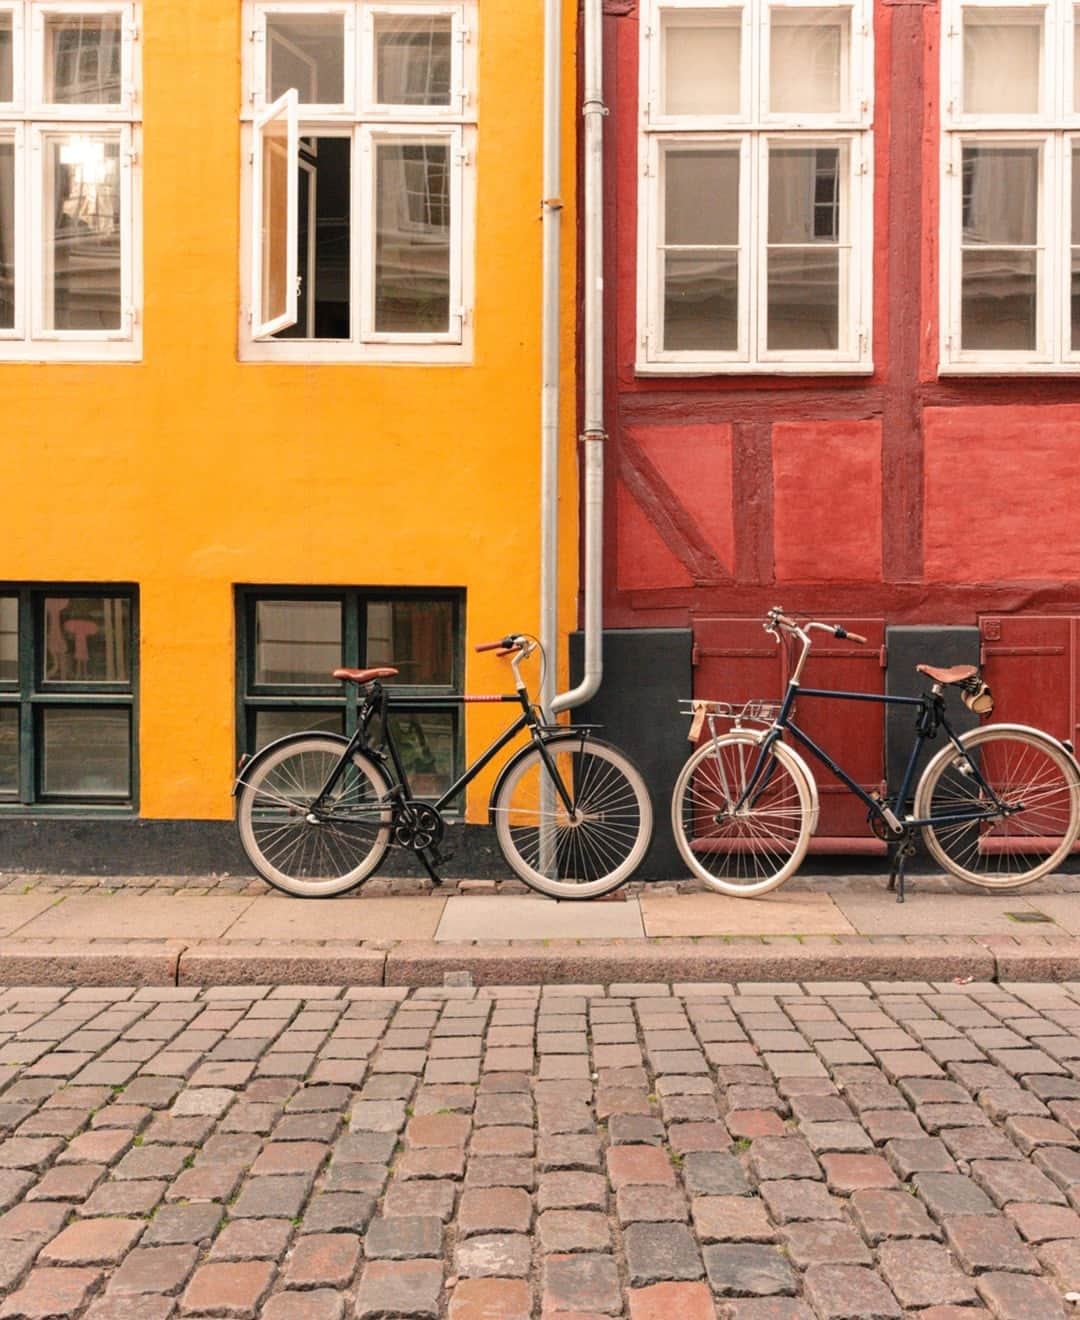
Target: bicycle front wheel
{"x": 742, "y": 844}
{"x": 1035, "y": 780}
{"x": 576, "y": 853}
{"x": 312, "y": 854}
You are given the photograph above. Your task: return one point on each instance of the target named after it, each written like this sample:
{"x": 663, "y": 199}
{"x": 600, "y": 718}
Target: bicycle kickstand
{"x": 429, "y": 863}
{"x": 901, "y": 852}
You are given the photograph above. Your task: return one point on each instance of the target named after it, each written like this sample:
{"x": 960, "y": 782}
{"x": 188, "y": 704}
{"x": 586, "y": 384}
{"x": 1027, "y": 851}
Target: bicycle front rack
{"x": 747, "y": 712}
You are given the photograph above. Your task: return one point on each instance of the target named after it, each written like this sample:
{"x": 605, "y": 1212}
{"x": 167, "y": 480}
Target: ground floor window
{"x": 290, "y": 640}
{"x": 68, "y": 695}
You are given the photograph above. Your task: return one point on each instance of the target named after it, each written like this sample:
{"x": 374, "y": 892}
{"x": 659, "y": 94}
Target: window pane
{"x": 82, "y": 59}
{"x": 271, "y": 724}
{"x": 701, "y": 197}
{"x": 7, "y": 235}
{"x": 306, "y": 51}
{"x": 297, "y": 641}
{"x": 416, "y": 637}
{"x": 323, "y": 235}
{"x": 1076, "y": 60}
{"x": 274, "y": 218}
{"x": 86, "y": 752}
{"x": 87, "y": 639}
{"x": 1075, "y": 300}
{"x": 9, "y": 639}
{"x": 808, "y": 58}
{"x": 425, "y": 740}
{"x": 999, "y": 300}
{"x": 9, "y": 750}
{"x": 82, "y": 232}
{"x": 701, "y": 301}
{"x": 804, "y": 299}
{"x": 805, "y": 192}
{"x": 7, "y": 68}
{"x": 1000, "y": 198}
{"x": 1075, "y": 289}
{"x": 412, "y": 245}
{"x": 1002, "y": 56}
{"x": 412, "y": 59}
{"x": 701, "y": 63}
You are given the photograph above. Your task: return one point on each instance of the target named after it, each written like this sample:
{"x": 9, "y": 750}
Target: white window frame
{"x": 366, "y": 123}
{"x": 285, "y": 108}
{"x": 29, "y": 122}
{"x": 1054, "y": 130}
{"x": 751, "y": 130}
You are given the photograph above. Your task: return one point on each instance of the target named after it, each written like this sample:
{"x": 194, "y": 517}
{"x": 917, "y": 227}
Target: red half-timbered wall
{"x": 898, "y": 498}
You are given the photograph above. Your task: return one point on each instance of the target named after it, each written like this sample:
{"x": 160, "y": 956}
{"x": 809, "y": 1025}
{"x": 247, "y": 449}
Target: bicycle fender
{"x": 759, "y": 736}
{"x": 568, "y": 735}
{"x": 283, "y": 741}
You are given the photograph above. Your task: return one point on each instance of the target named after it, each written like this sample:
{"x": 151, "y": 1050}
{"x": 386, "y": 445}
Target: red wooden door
{"x": 735, "y": 660}
{"x": 1032, "y": 663}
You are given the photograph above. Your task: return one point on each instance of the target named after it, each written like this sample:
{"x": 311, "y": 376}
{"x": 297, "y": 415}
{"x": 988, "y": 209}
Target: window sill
{"x": 947, "y": 369}
{"x": 292, "y": 353}
{"x": 69, "y": 810}
{"x": 69, "y": 351}
{"x": 753, "y": 369}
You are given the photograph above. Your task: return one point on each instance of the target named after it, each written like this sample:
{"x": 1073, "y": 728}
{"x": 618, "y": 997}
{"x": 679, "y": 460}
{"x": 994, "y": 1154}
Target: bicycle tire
{"x": 612, "y": 831}
{"x": 300, "y": 857}
{"x": 750, "y": 854}
{"x": 1019, "y": 764}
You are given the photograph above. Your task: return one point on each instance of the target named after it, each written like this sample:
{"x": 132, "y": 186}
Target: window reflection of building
{"x": 86, "y": 233}
{"x": 84, "y": 60}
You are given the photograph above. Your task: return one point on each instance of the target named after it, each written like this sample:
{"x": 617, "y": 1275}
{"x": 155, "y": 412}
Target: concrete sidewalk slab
{"x": 495, "y": 918}
{"x": 121, "y": 917}
{"x": 1063, "y": 909}
{"x": 17, "y": 910}
{"x": 714, "y": 914}
{"x": 937, "y": 914}
{"x": 281, "y": 918}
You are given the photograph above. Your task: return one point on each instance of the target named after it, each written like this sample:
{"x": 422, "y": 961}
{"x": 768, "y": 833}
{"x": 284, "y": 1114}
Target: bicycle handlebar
{"x": 776, "y": 619}
{"x": 507, "y": 645}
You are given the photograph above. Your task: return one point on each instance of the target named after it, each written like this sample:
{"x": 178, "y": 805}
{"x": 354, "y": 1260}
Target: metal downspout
{"x": 550, "y": 349}
{"x": 593, "y": 434}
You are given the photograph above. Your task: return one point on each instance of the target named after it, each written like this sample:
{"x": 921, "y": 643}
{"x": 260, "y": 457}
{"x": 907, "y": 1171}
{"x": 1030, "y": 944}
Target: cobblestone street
{"x": 759, "y": 1152}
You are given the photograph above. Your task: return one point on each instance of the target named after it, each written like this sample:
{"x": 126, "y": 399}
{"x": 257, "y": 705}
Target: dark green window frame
{"x": 31, "y": 698}
{"x": 330, "y": 704}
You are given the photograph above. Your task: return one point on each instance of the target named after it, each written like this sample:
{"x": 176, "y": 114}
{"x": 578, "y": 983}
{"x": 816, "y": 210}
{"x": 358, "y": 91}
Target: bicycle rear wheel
{"x": 312, "y": 854}
{"x": 578, "y": 854}
{"x": 1025, "y": 770}
{"x": 742, "y": 851}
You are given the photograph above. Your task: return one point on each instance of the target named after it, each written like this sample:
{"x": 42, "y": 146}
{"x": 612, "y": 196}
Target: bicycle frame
{"x": 931, "y": 716}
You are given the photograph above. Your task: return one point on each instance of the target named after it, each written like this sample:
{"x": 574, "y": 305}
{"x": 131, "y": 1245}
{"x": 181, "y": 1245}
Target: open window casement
{"x": 275, "y": 216}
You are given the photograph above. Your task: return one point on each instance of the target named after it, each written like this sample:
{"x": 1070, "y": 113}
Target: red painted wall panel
{"x": 827, "y": 501}
{"x": 644, "y": 560}
{"x": 1002, "y": 488}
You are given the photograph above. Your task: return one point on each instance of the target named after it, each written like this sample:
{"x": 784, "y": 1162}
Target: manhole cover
{"x": 1029, "y": 917}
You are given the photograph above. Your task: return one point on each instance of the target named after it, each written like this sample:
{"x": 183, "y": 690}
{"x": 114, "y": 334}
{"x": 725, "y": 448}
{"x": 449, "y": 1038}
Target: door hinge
{"x": 883, "y": 657}
{"x": 695, "y": 655}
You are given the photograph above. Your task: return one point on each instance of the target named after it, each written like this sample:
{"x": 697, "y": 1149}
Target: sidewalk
{"x": 172, "y": 931}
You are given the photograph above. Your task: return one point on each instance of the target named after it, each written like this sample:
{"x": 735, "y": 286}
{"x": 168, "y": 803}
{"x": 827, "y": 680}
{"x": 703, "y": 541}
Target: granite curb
{"x": 553, "y": 962}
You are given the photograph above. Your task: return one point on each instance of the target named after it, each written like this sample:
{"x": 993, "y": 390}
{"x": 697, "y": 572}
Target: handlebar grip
{"x": 855, "y": 637}
{"x": 507, "y": 650}
{"x": 492, "y": 646}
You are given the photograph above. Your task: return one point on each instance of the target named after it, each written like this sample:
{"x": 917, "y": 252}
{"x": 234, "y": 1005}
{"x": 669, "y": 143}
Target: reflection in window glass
{"x": 808, "y": 60}
{"x": 297, "y": 641}
{"x": 1002, "y": 57}
{"x": 7, "y": 68}
{"x": 999, "y": 276}
{"x": 274, "y": 247}
{"x": 87, "y": 639}
{"x": 7, "y": 235}
{"x": 306, "y": 51}
{"x": 412, "y": 244}
{"x": 1075, "y": 287}
{"x": 701, "y": 260}
{"x": 701, "y": 63}
{"x": 271, "y": 724}
{"x": 416, "y": 637}
{"x": 412, "y": 59}
{"x": 83, "y": 235}
{"x": 86, "y": 752}
{"x": 9, "y": 639}
{"x": 805, "y": 265}
{"x": 1076, "y": 60}
{"x": 82, "y": 59}
{"x": 425, "y": 740}
{"x": 9, "y": 750}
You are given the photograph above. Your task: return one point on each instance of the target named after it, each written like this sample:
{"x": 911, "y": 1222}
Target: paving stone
{"x": 585, "y": 1282}
{"x": 410, "y": 1287}
{"x": 919, "y": 1155}
{"x": 123, "y": 1198}
{"x": 825, "y": 1242}
{"x": 1014, "y": 1297}
{"x": 923, "y": 1274}
{"x": 568, "y": 1231}
{"x": 279, "y": 1197}
{"x": 323, "y": 1260}
{"x": 748, "y": 1270}
{"x": 947, "y": 1194}
{"x": 235, "y": 1288}
{"x": 1044, "y": 1223}
{"x": 651, "y": 1205}
{"x": 1006, "y": 1181}
{"x": 93, "y": 1242}
{"x": 50, "y": 1293}
{"x": 338, "y": 1212}
{"x": 848, "y": 1292}
{"x": 707, "y": 1174}
{"x": 153, "y": 1270}
{"x": 252, "y": 1239}
{"x": 777, "y": 1158}
{"x": 880, "y": 1215}
{"x": 180, "y": 1224}
{"x": 145, "y": 1307}
{"x": 731, "y": 1219}
{"x": 850, "y": 1173}
{"x": 575, "y": 1191}
{"x": 655, "y": 1252}
{"x": 980, "y": 1242}
{"x": 404, "y": 1237}
{"x": 494, "y": 1255}
{"x": 320, "y": 1304}
{"x": 491, "y": 1299}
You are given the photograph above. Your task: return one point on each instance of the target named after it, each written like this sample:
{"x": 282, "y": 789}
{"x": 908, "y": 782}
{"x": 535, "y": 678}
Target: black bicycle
{"x": 317, "y": 811}
{"x": 998, "y": 806}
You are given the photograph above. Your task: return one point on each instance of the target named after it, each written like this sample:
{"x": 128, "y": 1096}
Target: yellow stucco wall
{"x": 190, "y": 471}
